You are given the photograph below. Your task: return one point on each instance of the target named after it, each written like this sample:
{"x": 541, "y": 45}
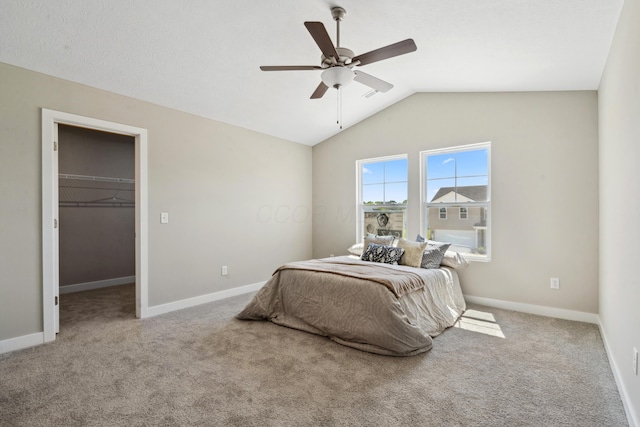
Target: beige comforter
{"x": 380, "y": 308}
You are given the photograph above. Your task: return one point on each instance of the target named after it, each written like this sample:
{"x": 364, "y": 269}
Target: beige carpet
{"x": 200, "y": 366}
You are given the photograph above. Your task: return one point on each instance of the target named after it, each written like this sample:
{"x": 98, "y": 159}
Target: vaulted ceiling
{"x": 203, "y": 57}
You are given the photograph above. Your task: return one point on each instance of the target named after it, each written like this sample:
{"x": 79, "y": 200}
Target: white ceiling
{"x": 202, "y": 56}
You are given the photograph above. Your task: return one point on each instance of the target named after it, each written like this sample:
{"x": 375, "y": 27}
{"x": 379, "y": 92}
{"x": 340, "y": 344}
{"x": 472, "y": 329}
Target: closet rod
{"x": 96, "y": 178}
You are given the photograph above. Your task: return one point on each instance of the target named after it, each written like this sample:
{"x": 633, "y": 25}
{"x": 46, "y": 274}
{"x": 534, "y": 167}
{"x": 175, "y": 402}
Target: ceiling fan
{"x": 338, "y": 62}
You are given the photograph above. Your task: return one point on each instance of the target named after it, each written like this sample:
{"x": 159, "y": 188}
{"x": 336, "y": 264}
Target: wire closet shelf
{"x": 95, "y": 191}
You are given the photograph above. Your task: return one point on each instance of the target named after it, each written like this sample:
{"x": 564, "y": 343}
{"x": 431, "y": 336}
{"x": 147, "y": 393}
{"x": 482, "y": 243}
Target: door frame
{"x": 50, "y": 218}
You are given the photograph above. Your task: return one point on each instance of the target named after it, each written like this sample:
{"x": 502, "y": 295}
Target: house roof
{"x": 472, "y": 192}
{"x": 203, "y": 57}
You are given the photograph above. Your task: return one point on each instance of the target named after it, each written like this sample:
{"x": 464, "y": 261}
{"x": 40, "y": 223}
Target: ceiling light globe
{"x": 337, "y": 76}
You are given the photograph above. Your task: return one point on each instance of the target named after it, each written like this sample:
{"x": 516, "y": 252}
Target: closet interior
{"x": 96, "y": 195}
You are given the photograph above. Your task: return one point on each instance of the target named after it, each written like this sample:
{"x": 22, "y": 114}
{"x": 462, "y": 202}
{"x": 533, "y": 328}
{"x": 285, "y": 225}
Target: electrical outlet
{"x": 635, "y": 361}
{"x": 555, "y": 283}
{"x": 224, "y": 271}
{"x": 164, "y": 218}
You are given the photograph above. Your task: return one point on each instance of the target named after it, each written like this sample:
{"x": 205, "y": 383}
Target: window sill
{"x": 476, "y": 258}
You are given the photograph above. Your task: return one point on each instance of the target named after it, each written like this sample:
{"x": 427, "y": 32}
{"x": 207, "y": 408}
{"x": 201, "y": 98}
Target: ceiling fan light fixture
{"x": 337, "y": 76}
{"x": 337, "y": 62}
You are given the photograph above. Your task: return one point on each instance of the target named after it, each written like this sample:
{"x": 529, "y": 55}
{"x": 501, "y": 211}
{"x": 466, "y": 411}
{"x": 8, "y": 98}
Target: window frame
{"x": 361, "y": 208}
{"x": 426, "y": 204}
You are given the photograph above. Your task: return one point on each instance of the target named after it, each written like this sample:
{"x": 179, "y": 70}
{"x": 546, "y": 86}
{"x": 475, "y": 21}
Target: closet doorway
{"x": 88, "y": 178}
{"x": 96, "y": 201}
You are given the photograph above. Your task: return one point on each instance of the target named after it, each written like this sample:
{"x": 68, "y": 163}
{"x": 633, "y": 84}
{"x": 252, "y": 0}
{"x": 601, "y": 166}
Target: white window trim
{"x": 359, "y": 205}
{"x": 423, "y": 195}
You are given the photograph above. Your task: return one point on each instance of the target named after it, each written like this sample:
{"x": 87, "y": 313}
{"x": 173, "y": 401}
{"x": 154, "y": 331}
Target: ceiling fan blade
{"x": 322, "y": 39}
{"x": 320, "y": 91}
{"x": 372, "y": 82}
{"x": 386, "y": 52}
{"x": 289, "y": 67}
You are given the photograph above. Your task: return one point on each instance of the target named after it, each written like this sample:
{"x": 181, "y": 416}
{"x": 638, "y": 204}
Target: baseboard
{"x": 32, "y": 340}
{"x": 632, "y": 417}
{"x": 79, "y": 287}
{"x": 202, "y": 299}
{"x": 19, "y": 343}
{"x": 560, "y": 313}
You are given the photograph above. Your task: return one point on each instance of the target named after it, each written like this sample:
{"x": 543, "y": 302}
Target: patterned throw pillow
{"x": 382, "y": 253}
{"x": 433, "y": 254}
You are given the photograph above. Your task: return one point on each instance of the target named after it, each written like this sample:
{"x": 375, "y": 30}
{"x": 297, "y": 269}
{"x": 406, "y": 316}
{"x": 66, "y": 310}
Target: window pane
{"x": 396, "y": 192}
{"x": 373, "y": 173}
{"x": 441, "y": 166}
{"x": 373, "y": 193}
{"x": 395, "y": 171}
{"x": 473, "y": 189}
{"x": 384, "y": 182}
{"x": 466, "y": 236}
{"x": 454, "y": 177}
{"x": 440, "y": 190}
{"x": 472, "y": 163}
{"x": 385, "y": 222}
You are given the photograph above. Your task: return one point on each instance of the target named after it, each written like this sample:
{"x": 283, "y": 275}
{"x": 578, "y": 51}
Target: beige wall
{"x": 544, "y": 186}
{"x": 235, "y": 197}
{"x": 619, "y": 124}
{"x": 96, "y": 243}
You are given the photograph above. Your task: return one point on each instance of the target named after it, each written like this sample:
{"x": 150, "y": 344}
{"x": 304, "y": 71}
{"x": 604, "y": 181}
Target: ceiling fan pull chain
{"x": 340, "y": 107}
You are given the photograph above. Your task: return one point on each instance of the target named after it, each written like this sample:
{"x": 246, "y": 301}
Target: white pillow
{"x": 379, "y": 240}
{"x": 454, "y": 260}
{"x": 356, "y": 249}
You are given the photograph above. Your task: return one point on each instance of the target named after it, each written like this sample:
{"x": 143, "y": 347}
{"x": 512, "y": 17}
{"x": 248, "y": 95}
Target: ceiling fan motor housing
{"x": 337, "y": 13}
{"x": 344, "y": 58}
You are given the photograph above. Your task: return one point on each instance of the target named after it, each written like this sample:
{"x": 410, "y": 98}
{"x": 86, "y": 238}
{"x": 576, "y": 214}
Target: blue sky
{"x": 394, "y": 176}
{"x": 471, "y": 168}
{"x": 388, "y": 180}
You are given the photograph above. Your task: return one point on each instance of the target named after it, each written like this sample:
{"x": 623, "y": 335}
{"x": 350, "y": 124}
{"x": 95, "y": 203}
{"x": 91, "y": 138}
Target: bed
{"x": 375, "y": 307}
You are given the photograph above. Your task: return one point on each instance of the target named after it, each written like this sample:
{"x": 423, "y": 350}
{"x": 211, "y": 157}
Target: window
{"x": 464, "y": 213}
{"x": 382, "y": 196}
{"x": 458, "y": 178}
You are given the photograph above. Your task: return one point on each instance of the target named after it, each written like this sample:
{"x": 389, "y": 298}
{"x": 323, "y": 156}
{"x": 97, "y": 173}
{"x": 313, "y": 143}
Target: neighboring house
{"x": 464, "y": 226}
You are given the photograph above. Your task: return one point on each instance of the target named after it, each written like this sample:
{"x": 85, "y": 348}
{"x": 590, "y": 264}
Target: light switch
{"x": 164, "y": 218}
